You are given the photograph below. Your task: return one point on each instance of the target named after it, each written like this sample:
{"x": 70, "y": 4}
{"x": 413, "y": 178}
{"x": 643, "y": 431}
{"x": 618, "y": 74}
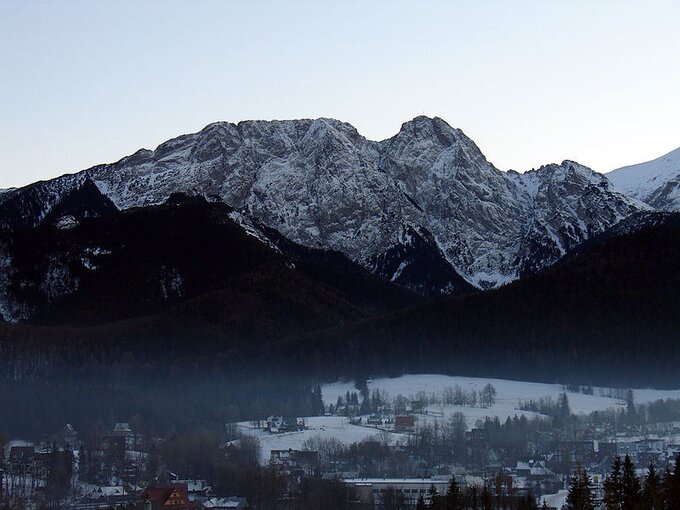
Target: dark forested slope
{"x": 147, "y": 261}
{"x": 608, "y": 314}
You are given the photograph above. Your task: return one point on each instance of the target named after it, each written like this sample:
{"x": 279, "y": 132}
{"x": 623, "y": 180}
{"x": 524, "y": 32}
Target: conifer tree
{"x": 580, "y": 496}
{"x": 319, "y": 407}
{"x": 563, "y": 405}
{"x": 421, "y": 503}
{"x": 453, "y": 496}
{"x": 652, "y": 490}
{"x": 613, "y": 487}
{"x": 672, "y": 486}
{"x": 434, "y": 497}
{"x": 630, "y": 484}
{"x": 487, "y": 500}
{"x": 527, "y": 502}
{"x": 473, "y": 498}
{"x": 631, "y": 414}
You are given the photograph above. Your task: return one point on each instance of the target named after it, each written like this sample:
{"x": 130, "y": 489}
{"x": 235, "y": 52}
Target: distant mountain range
{"x": 365, "y": 227}
{"x": 423, "y": 209}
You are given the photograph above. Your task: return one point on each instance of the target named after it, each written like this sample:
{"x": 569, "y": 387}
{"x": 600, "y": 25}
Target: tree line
{"x": 624, "y": 490}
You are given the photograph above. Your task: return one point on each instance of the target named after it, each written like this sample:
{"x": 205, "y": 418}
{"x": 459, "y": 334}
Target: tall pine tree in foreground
{"x": 435, "y": 499}
{"x": 527, "y": 502}
{"x": 453, "y": 496}
{"x": 613, "y": 487}
{"x": 652, "y": 490}
{"x": 632, "y": 490}
{"x": 672, "y": 486}
{"x": 623, "y": 489}
{"x": 487, "y": 500}
{"x": 580, "y": 496}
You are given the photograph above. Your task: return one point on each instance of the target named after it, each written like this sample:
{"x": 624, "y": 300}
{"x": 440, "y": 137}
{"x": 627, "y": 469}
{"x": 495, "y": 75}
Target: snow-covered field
{"x": 508, "y": 397}
{"x": 323, "y": 426}
{"x": 649, "y": 395}
{"x": 509, "y": 394}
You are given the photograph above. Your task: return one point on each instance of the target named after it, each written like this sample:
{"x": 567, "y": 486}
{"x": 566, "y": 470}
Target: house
{"x": 492, "y": 461}
{"x": 21, "y": 455}
{"x": 126, "y": 435}
{"x": 106, "y": 494}
{"x": 295, "y": 462}
{"x": 536, "y": 476}
{"x": 672, "y": 453}
{"x": 195, "y": 488}
{"x": 172, "y": 497}
{"x": 231, "y": 503}
{"x": 374, "y": 490}
{"x": 122, "y": 429}
{"x": 404, "y": 423}
{"x": 376, "y": 419}
{"x": 279, "y": 424}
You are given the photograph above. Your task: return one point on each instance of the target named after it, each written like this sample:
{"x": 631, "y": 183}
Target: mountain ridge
{"x": 321, "y": 184}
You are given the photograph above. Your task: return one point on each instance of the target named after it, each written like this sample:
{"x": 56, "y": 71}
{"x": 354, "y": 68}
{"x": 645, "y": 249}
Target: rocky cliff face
{"x": 426, "y": 198}
{"x": 567, "y": 204}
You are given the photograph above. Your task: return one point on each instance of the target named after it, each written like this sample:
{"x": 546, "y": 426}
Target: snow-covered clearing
{"x": 324, "y": 426}
{"x": 509, "y": 394}
{"x": 508, "y": 398}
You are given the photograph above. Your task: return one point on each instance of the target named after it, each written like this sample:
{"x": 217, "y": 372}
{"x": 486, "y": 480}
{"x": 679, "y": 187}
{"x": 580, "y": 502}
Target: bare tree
{"x": 487, "y": 396}
{"x": 328, "y": 448}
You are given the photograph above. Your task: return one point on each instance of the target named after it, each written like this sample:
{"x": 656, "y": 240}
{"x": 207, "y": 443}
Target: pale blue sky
{"x": 532, "y": 82}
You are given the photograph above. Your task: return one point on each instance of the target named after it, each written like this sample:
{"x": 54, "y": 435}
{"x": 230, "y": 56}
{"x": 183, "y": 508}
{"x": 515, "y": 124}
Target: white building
{"x": 373, "y": 490}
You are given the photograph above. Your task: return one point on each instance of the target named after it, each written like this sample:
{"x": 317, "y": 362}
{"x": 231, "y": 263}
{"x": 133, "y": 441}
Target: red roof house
{"x": 172, "y": 497}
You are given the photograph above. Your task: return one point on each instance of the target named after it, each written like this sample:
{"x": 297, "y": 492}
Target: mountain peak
{"x": 432, "y": 128}
{"x": 656, "y": 182}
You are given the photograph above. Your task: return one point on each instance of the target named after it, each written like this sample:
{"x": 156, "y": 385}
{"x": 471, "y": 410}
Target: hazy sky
{"x": 532, "y": 82}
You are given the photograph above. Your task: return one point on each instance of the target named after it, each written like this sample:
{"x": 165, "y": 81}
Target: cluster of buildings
{"x": 281, "y": 425}
{"x": 118, "y": 459}
{"x": 110, "y": 470}
{"x": 169, "y": 496}
{"x": 540, "y": 461}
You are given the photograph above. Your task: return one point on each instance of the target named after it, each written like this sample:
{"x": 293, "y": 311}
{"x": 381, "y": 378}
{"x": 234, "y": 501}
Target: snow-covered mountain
{"x": 655, "y": 182}
{"x": 405, "y": 207}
